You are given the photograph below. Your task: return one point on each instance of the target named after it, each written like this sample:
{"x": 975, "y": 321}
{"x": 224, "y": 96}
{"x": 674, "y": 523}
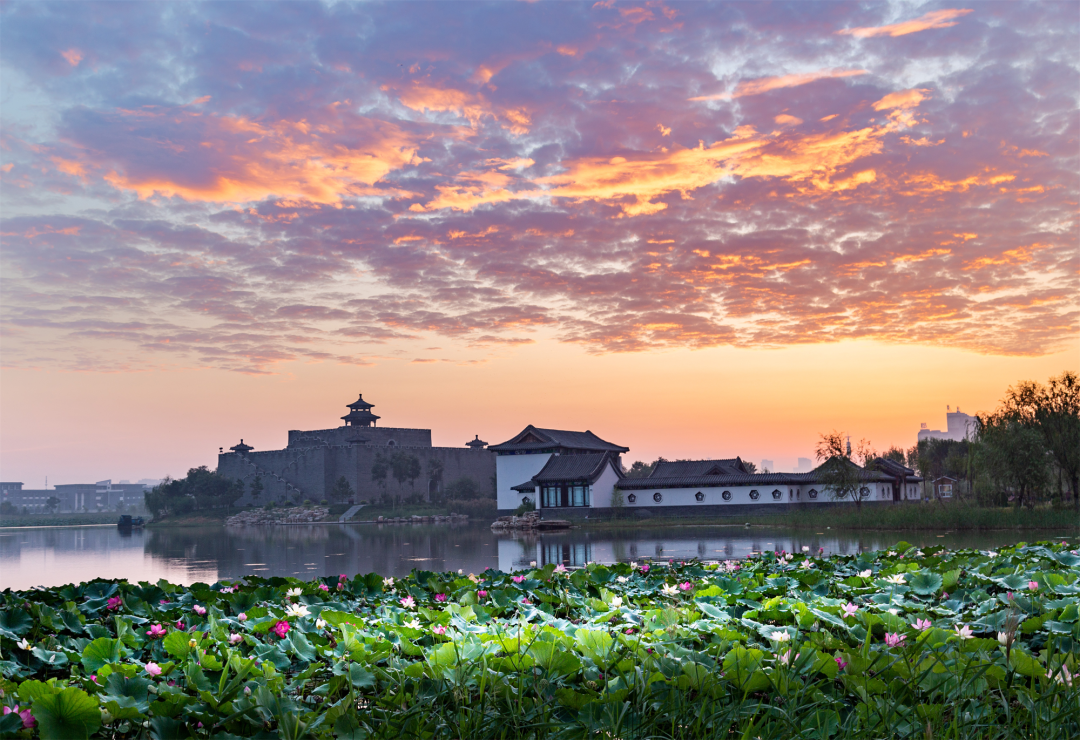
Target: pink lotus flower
{"x": 686, "y": 586}
{"x": 786, "y": 658}
{"x": 200, "y": 610}
{"x": 439, "y": 629}
{"x": 242, "y": 617}
{"x": 323, "y": 587}
{"x": 408, "y": 602}
{"x": 645, "y": 569}
{"x": 341, "y": 586}
{"x": 153, "y": 669}
{"x": 234, "y": 638}
{"x": 841, "y": 662}
{"x": 560, "y": 568}
{"x": 517, "y": 579}
{"x": 440, "y": 598}
{"x": 481, "y": 594}
{"x": 944, "y": 594}
{"x": 964, "y": 632}
{"x": 892, "y": 639}
{"x": 921, "y": 624}
{"x": 849, "y": 610}
{"x": 1033, "y": 586}
{"x": 163, "y": 602}
{"x": 343, "y": 577}
{"x": 281, "y": 628}
{"x": 526, "y": 602}
{"x": 156, "y": 630}
{"x": 179, "y": 625}
{"x": 114, "y": 602}
{"x": 94, "y": 678}
{"x": 28, "y": 720}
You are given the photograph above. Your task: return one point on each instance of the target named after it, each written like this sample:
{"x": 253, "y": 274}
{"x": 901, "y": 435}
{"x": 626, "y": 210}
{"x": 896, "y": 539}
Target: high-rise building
{"x": 959, "y": 426}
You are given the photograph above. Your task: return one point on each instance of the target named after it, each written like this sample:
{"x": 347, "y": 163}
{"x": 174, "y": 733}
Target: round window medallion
{"x": 864, "y": 492}
{"x": 726, "y": 495}
{"x": 813, "y": 493}
{"x": 754, "y": 495}
{"x": 699, "y": 496}
{"x": 657, "y": 497}
{"x": 632, "y": 498}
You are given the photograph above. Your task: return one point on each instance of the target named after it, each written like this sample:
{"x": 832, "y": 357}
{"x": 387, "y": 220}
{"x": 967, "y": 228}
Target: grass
{"x": 61, "y": 520}
{"x": 952, "y": 516}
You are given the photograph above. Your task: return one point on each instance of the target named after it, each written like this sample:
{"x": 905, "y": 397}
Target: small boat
{"x": 129, "y": 522}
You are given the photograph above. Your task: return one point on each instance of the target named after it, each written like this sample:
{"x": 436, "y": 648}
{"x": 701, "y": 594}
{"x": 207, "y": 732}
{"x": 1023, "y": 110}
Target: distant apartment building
{"x": 768, "y": 466}
{"x": 74, "y": 497}
{"x": 959, "y": 426}
{"x": 805, "y": 465}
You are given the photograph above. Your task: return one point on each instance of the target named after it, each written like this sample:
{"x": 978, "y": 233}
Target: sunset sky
{"x": 695, "y": 229}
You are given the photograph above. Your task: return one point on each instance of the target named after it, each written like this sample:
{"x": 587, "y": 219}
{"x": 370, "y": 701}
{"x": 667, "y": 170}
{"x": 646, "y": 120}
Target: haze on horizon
{"x": 695, "y": 229}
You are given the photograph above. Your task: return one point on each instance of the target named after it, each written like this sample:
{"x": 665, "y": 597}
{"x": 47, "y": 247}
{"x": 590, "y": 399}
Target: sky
{"x": 696, "y": 229}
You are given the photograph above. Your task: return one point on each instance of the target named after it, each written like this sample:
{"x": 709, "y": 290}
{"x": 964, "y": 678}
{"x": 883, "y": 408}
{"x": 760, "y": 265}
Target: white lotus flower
{"x": 23, "y": 644}
{"x": 896, "y": 578}
{"x": 413, "y": 624}
{"x": 294, "y": 592}
{"x": 865, "y": 573}
{"x": 669, "y": 590}
{"x": 616, "y": 602}
{"x": 779, "y": 636}
{"x": 805, "y": 548}
{"x": 320, "y": 623}
{"x": 388, "y": 582}
{"x": 296, "y": 610}
{"x": 622, "y": 579}
{"x": 806, "y": 565}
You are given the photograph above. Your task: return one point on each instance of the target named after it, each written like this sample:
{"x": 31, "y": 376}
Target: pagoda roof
{"x": 535, "y": 439}
{"x": 585, "y": 468}
{"x": 241, "y": 448}
{"x": 361, "y": 404}
{"x": 476, "y": 443}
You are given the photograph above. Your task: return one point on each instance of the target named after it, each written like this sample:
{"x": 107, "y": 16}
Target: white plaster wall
{"x": 513, "y": 470}
{"x": 603, "y": 488}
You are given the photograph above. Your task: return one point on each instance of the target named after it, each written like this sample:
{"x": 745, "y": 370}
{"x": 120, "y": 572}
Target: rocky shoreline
{"x": 530, "y": 521}
{"x": 437, "y": 519}
{"x": 292, "y": 515}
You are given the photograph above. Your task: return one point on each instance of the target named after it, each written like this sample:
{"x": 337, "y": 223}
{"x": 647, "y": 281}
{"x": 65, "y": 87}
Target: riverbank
{"x": 60, "y": 520}
{"x": 910, "y": 642}
{"x": 951, "y": 517}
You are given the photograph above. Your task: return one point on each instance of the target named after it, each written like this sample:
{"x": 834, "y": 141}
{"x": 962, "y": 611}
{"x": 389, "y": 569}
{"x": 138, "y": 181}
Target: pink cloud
{"x": 933, "y": 19}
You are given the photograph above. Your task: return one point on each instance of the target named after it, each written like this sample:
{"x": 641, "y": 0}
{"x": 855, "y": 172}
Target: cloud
{"x": 473, "y": 106}
{"x": 933, "y": 19}
{"x": 766, "y": 84}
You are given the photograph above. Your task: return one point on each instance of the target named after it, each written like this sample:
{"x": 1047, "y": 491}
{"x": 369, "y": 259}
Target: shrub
{"x": 476, "y": 508}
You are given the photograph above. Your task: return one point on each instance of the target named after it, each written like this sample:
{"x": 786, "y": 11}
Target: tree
{"x": 405, "y": 467}
{"x": 839, "y": 473}
{"x": 1053, "y": 410}
{"x": 341, "y": 491}
{"x": 618, "y": 504}
{"x": 462, "y": 489}
{"x": 1014, "y": 454}
{"x": 52, "y": 504}
{"x": 256, "y": 488}
{"x": 379, "y": 468}
{"x": 643, "y": 470}
{"x": 895, "y": 454}
{"x": 750, "y": 467}
{"x": 435, "y": 475}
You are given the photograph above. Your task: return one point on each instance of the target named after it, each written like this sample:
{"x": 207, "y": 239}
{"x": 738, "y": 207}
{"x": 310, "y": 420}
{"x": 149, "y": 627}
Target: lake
{"x": 53, "y": 556}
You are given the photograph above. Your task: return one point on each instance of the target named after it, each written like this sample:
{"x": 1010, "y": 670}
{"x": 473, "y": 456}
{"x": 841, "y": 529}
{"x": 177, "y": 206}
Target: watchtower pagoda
{"x": 360, "y": 414}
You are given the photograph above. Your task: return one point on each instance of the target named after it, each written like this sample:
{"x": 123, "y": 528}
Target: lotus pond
{"x": 903, "y": 643}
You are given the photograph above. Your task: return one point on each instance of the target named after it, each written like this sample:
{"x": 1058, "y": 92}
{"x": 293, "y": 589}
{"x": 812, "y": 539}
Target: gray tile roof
{"x": 678, "y": 468}
{"x": 543, "y": 439}
{"x": 892, "y": 467}
{"x": 586, "y": 468}
{"x": 526, "y": 487}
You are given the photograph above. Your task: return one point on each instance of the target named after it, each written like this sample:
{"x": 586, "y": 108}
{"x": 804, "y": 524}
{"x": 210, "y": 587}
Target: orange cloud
{"x": 933, "y": 19}
{"x": 785, "y": 120}
{"x": 1016, "y": 256}
{"x": 285, "y": 159}
{"x": 73, "y": 56}
{"x": 901, "y": 99}
{"x": 474, "y": 107}
{"x": 765, "y": 84}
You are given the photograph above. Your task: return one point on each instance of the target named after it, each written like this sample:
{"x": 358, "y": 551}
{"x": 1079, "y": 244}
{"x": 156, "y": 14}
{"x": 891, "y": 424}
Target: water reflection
{"x": 51, "y": 556}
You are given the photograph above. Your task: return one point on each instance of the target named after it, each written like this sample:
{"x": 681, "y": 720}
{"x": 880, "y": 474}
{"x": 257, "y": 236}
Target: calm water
{"x": 52, "y": 556}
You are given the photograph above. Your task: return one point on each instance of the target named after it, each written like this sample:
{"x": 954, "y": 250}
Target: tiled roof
{"x": 526, "y": 487}
{"x": 573, "y": 468}
{"x": 681, "y": 468}
{"x": 542, "y": 439}
{"x": 717, "y": 481}
{"x": 892, "y": 467}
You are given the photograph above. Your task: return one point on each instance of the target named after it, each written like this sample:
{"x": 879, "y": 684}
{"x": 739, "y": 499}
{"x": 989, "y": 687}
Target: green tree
{"x": 341, "y": 491}
{"x": 52, "y": 504}
{"x": 380, "y": 466}
{"x": 1053, "y": 410}
{"x": 1015, "y": 456}
{"x": 896, "y": 454}
{"x": 463, "y": 488}
{"x": 618, "y": 504}
{"x": 643, "y": 470}
{"x": 405, "y": 467}
{"x": 435, "y": 476}
{"x": 838, "y": 472}
{"x": 257, "y": 488}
